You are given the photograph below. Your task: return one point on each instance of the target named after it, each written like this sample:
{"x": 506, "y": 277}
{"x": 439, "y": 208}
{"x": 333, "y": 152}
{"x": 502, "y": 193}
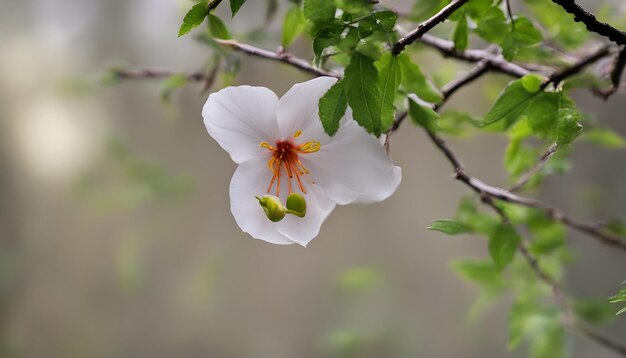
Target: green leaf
{"x": 532, "y": 82}
{"x": 492, "y": 25}
{"x": 414, "y": 81}
{"x": 172, "y": 83}
{"x": 461, "y": 34}
{"x": 510, "y": 104}
{"x": 548, "y": 235}
{"x": 567, "y": 126}
{"x": 319, "y": 11}
{"x": 449, "y": 227}
{"x": 293, "y": 24}
{"x": 605, "y": 137}
{"x": 483, "y": 273}
{"x": 361, "y": 86}
{"x": 235, "y": 5}
{"x": 423, "y": 115}
{"x": 332, "y": 107}
{"x": 355, "y": 7}
{"x": 542, "y": 112}
{"x": 559, "y": 23}
{"x": 218, "y": 28}
{"x": 389, "y": 79}
{"x": 518, "y": 316}
{"x": 193, "y": 18}
{"x": 522, "y": 34}
{"x": 593, "y": 311}
{"x": 503, "y": 245}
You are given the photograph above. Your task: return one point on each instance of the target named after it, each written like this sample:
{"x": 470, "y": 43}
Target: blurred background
{"x": 116, "y": 238}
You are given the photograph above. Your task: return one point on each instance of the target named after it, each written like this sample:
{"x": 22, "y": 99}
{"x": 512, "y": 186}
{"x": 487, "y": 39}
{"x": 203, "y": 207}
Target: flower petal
{"x": 297, "y": 110}
{"x": 249, "y": 180}
{"x": 353, "y": 167}
{"x": 318, "y": 207}
{"x": 239, "y": 118}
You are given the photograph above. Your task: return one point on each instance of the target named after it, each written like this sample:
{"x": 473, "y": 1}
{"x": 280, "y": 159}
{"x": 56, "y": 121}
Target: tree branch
{"x": 590, "y": 21}
{"x": 558, "y": 76}
{"x": 524, "y": 178}
{"x": 284, "y": 57}
{"x": 497, "y": 63}
{"x": 426, "y": 26}
{"x": 557, "y": 291}
{"x": 616, "y": 74}
{"x": 138, "y": 74}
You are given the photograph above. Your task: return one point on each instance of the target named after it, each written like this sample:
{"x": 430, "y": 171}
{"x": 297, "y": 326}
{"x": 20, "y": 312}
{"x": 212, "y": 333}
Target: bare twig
{"x": 497, "y": 63}
{"x": 590, "y": 21}
{"x": 277, "y": 56}
{"x": 137, "y": 74}
{"x": 616, "y": 75}
{"x": 426, "y": 26}
{"x": 526, "y": 176}
{"x": 577, "y": 67}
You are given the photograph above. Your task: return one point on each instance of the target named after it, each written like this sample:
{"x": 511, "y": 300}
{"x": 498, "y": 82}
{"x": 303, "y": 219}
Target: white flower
{"x": 281, "y": 148}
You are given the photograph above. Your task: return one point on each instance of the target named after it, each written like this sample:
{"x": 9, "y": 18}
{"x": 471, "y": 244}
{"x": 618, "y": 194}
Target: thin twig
{"x": 557, "y": 291}
{"x": 496, "y": 62}
{"x": 284, "y": 57}
{"x": 526, "y": 176}
{"x": 590, "y": 21}
{"x": 426, "y": 26}
{"x": 577, "y": 67}
{"x": 137, "y": 74}
{"x": 616, "y": 75}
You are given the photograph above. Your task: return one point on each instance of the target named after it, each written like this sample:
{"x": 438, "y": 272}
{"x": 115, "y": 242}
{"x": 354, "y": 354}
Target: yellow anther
{"x": 297, "y": 134}
{"x": 266, "y": 145}
{"x": 309, "y": 147}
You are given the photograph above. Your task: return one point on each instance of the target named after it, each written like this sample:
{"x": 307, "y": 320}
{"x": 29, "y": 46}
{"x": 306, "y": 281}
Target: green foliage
{"x": 122, "y": 180}
{"x": 235, "y": 5}
{"x": 172, "y": 83}
{"x": 332, "y": 107}
{"x": 449, "y": 227}
{"x": 361, "y": 86}
{"x": 503, "y": 244}
{"x": 194, "y": 18}
{"x": 605, "y": 137}
{"x": 461, "y": 34}
{"x": 510, "y": 104}
{"x": 359, "y": 279}
{"x": 414, "y": 81}
{"x": 560, "y": 24}
{"x": 218, "y": 28}
{"x": 482, "y": 273}
{"x": 293, "y": 24}
{"x": 620, "y": 297}
{"x": 423, "y": 115}
{"x": 389, "y": 80}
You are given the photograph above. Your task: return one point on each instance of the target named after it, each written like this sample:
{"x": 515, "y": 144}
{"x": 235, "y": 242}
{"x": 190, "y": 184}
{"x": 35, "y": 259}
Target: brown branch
{"x": 284, "y": 57}
{"x": 559, "y": 76}
{"x": 426, "y": 26}
{"x": 497, "y": 63}
{"x": 526, "y": 176}
{"x": 590, "y": 21}
{"x": 616, "y": 75}
{"x": 138, "y": 74}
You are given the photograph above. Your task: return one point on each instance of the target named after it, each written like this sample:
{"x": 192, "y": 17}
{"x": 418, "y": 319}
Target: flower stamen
{"x": 285, "y": 154}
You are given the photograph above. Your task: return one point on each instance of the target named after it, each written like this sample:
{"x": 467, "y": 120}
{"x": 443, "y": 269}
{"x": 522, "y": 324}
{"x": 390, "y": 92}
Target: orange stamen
{"x": 285, "y": 153}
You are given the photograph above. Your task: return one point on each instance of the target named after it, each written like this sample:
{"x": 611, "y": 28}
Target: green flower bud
{"x": 273, "y": 208}
{"x": 296, "y": 205}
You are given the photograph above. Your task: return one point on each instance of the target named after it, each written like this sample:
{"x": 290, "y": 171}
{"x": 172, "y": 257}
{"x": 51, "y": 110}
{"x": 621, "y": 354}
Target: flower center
{"x": 285, "y": 155}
